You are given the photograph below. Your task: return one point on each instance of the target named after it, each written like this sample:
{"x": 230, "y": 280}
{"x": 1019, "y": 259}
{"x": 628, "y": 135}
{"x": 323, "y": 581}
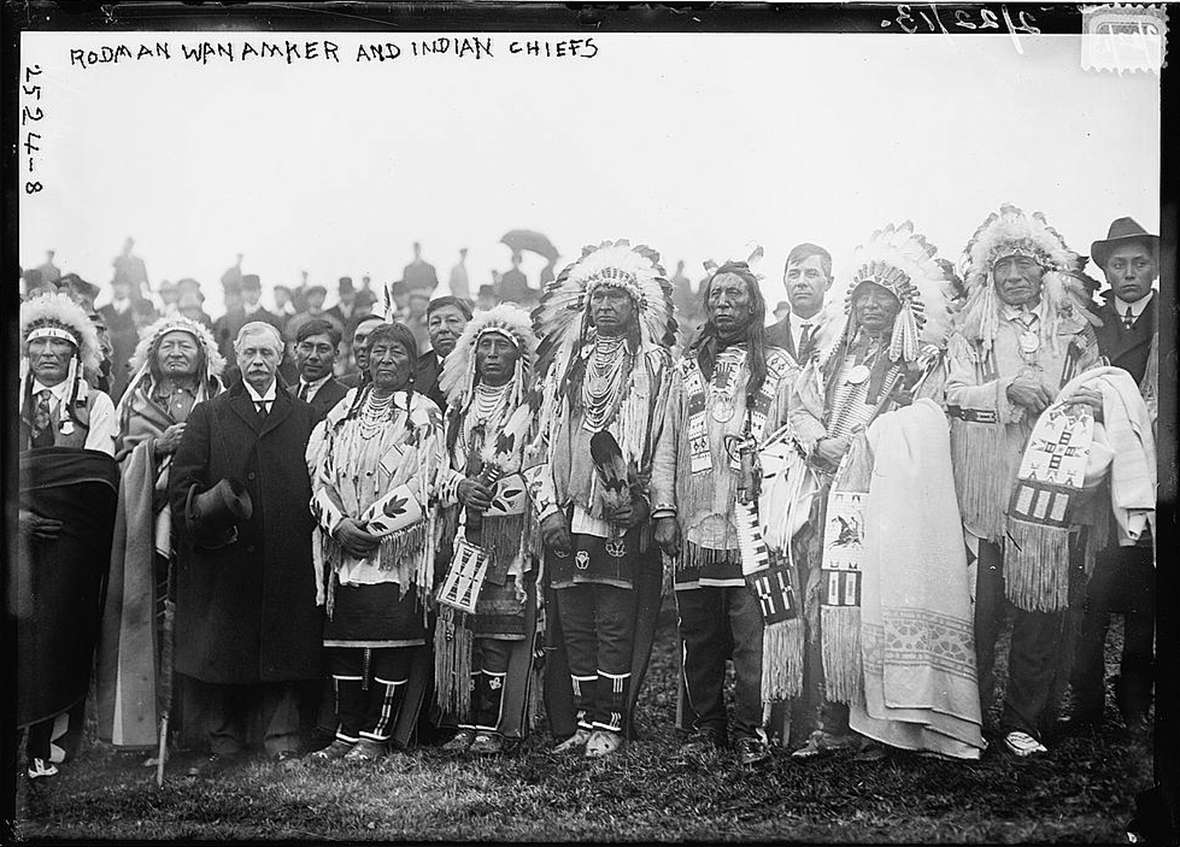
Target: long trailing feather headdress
{"x": 1011, "y": 231}
{"x": 457, "y": 380}
{"x": 906, "y": 265}
{"x": 561, "y": 320}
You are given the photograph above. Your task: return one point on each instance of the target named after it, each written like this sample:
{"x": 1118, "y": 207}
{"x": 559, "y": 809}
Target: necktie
{"x": 304, "y": 389}
{"x": 260, "y": 405}
{"x": 804, "y": 340}
{"x": 42, "y": 431}
{"x": 1128, "y": 319}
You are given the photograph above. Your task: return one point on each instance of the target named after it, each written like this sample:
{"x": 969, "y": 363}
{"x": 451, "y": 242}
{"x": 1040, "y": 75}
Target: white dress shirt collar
{"x": 58, "y": 391}
{"x": 255, "y": 397}
{"x": 313, "y": 387}
{"x": 1137, "y": 308}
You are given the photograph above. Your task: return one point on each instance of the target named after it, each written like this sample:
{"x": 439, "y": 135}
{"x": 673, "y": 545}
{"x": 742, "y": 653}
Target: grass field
{"x": 1083, "y": 791}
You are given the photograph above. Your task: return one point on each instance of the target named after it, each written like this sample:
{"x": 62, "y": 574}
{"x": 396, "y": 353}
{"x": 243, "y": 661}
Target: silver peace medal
{"x": 722, "y": 408}
{"x": 857, "y": 374}
{"x": 1030, "y": 342}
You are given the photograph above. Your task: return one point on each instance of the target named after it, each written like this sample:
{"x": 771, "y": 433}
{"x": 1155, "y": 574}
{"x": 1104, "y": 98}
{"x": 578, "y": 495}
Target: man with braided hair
{"x": 728, "y": 394}
{"x": 606, "y": 325}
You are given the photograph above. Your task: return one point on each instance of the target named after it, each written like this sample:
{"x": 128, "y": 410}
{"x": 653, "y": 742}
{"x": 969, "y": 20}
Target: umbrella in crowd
{"x": 519, "y": 240}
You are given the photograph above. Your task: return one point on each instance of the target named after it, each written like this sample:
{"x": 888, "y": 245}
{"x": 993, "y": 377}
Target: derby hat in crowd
{"x": 212, "y": 517}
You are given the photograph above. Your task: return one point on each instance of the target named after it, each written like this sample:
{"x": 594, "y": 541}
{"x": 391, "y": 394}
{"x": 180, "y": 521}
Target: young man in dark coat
{"x": 1123, "y": 579}
{"x": 315, "y": 354}
{"x": 446, "y": 318}
{"x": 246, "y": 602}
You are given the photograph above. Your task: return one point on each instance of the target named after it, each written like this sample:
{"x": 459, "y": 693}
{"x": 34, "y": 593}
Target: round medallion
{"x": 857, "y": 374}
{"x": 1030, "y": 342}
{"x": 722, "y": 409}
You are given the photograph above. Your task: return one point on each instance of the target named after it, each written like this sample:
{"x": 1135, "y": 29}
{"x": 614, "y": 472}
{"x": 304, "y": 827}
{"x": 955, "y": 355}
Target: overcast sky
{"x": 700, "y": 146}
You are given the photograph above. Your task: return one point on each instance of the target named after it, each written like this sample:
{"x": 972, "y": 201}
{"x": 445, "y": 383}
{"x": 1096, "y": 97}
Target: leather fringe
{"x": 453, "y": 642}
{"x": 693, "y": 557}
{"x": 500, "y": 537}
{"x": 981, "y": 485}
{"x": 782, "y": 660}
{"x": 840, "y": 637}
{"x": 402, "y": 545}
{"x": 1036, "y": 566}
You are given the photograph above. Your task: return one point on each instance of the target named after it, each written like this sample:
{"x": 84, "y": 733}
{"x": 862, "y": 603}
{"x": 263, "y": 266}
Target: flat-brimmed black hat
{"x": 212, "y": 517}
{"x": 1122, "y": 231}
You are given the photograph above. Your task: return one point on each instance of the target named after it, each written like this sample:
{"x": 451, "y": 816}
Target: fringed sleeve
{"x": 537, "y": 462}
{"x": 805, "y": 407}
{"x": 663, "y": 474}
{"x": 980, "y": 411}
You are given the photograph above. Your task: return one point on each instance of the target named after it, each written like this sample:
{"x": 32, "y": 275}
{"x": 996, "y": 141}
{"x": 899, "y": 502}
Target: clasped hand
{"x": 355, "y": 541}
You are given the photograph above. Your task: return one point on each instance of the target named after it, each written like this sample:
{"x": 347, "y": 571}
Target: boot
{"x": 489, "y": 704}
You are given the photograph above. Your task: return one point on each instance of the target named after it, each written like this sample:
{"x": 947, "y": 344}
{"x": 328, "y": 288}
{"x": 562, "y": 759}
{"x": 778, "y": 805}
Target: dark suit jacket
{"x": 779, "y": 335}
{"x": 330, "y": 393}
{"x": 248, "y": 610}
{"x": 1127, "y": 348}
{"x": 426, "y": 378}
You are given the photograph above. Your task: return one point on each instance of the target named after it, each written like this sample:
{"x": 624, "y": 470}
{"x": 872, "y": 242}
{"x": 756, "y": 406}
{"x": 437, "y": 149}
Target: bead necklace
{"x": 490, "y": 403}
{"x": 375, "y": 414}
{"x": 605, "y": 383}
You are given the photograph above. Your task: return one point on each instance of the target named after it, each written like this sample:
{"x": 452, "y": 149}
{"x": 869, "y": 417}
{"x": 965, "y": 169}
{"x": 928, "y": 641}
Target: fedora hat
{"x": 1122, "y": 231}
{"x": 212, "y": 517}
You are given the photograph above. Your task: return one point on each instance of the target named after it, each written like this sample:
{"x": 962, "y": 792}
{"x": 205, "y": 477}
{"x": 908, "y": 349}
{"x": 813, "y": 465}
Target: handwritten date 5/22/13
{"x": 931, "y": 18}
{"x": 32, "y": 117}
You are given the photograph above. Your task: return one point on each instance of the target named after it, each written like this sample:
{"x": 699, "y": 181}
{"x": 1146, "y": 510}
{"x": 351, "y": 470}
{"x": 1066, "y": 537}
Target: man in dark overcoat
{"x": 1123, "y": 579}
{"x": 248, "y": 628}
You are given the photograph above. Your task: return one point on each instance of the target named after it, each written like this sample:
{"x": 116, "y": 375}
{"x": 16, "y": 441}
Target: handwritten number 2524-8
{"x": 908, "y": 20}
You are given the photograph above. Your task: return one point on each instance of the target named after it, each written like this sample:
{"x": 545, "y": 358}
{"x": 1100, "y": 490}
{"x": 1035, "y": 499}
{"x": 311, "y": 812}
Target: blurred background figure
{"x": 125, "y": 316}
{"x": 420, "y": 273}
{"x": 486, "y": 299}
{"x": 232, "y": 278}
{"x": 49, "y": 271}
{"x": 460, "y": 287}
{"x": 169, "y": 298}
{"x": 416, "y": 308}
{"x": 79, "y": 290}
{"x": 366, "y": 299}
{"x": 131, "y": 271}
{"x": 343, "y": 311}
{"x": 284, "y": 304}
{"x": 397, "y": 301}
{"x": 190, "y": 302}
{"x": 514, "y": 285}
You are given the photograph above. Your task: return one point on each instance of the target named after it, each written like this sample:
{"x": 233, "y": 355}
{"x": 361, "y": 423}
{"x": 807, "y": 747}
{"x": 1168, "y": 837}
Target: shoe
{"x": 821, "y": 743}
{"x": 603, "y": 742}
{"x": 575, "y": 742}
{"x": 367, "y": 750}
{"x": 870, "y": 751}
{"x": 487, "y": 744}
{"x": 39, "y": 768}
{"x": 1023, "y": 745}
{"x": 338, "y": 749}
{"x": 216, "y": 765}
{"x": 752, "y": 750}
{"x": 460, "y": 742}
{"x": 703, "y": 742}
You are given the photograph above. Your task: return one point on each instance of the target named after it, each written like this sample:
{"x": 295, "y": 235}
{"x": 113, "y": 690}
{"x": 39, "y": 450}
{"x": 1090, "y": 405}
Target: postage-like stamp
{"x": 1123, "y": 37}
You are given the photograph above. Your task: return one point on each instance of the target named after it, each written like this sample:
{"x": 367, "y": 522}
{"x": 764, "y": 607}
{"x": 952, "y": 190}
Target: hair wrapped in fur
{"x": 1012, "y": 232}
{"x": 562, "y": 318}
{"x": 705, "y": 346}
{"x": 58, "y": 310}
{"x": 457, "y": 380}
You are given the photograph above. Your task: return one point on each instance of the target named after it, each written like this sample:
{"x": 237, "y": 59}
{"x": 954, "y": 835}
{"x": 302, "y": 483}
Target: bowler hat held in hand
{"x": 212, "y": 517}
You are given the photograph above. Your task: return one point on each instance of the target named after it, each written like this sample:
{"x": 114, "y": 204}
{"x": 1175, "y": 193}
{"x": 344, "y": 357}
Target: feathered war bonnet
{"x": 457, "y": 380}
{"x": 906, "y": 265}
{"x": 1065, "y": 289}
{"x": 142, "y": 359}
{"x": 57, "y": 316}
{"x": 562, "y": 318}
